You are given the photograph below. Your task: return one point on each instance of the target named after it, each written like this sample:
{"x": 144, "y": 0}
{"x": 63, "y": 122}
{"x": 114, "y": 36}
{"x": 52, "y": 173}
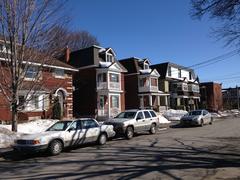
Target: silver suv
{"x": 132, "y": 121}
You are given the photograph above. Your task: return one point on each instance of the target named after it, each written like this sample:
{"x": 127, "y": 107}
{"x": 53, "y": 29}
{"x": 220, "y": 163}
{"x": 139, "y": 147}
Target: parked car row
{"x": 70, "y": 133}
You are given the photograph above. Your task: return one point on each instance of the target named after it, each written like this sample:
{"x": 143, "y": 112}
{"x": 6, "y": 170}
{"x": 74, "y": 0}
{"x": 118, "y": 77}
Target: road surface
{"x": 209, "y": 152}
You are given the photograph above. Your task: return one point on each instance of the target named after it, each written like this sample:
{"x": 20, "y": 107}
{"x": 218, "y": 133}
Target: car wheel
{"x": 55, "y": 147}
{"x": 152, "y": 129}
{"x": 129, "y": 133}
{"x": 102, "y": 139}
{"x": 202, "y": 123}
{"x": 211, "y": 122}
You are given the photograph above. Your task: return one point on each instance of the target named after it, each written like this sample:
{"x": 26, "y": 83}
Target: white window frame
{"x": 56, "y": 75}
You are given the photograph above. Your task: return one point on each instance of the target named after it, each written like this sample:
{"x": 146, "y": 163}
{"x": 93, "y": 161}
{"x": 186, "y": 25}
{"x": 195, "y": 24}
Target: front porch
{"x": 109, "y": 105}
{"x": 156, "y": 101}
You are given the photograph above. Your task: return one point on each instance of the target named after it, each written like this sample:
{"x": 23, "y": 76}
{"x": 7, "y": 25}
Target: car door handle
{"x": 143, "y": 120}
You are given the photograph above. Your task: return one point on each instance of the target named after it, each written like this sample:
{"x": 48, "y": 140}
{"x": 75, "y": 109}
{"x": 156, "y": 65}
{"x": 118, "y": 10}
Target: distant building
{"x": 211, "y": 96}
{"x": 231, "y": 98}
{"x": 181, "y": 83}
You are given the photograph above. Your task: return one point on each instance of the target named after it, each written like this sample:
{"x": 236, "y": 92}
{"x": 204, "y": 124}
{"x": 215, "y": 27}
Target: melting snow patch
{"x": 174, "y": 115}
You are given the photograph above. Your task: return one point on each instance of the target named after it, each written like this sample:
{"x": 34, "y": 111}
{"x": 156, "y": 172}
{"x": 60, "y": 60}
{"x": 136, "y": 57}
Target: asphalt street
{"x": 209, "y": 152}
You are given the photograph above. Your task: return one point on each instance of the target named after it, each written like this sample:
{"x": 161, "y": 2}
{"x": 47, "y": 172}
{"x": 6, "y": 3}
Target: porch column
{"x": 150, "y": 100}
{"x": 166, "y": 102}
{"x": 141, "y": 101}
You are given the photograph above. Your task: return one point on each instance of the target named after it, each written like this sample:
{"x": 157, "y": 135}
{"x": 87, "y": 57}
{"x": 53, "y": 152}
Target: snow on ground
{"x": 7, "y": 137}
{"x": 174, "y": 115}
{"x": 163, "y": 120}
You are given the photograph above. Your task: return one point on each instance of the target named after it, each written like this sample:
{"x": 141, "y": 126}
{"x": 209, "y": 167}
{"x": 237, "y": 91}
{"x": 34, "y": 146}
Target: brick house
{"x": 211, "y": 96}
{"x": 231, "y": 98}
{"x": 182, "y": 84}
{"x": 54, "y": 80}
{"x": 99, "y": 84}
{"x": 141, "y": 85}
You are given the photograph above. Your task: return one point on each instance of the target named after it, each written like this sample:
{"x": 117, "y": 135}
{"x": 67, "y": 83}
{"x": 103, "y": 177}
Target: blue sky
{"x": 161, "y": 30}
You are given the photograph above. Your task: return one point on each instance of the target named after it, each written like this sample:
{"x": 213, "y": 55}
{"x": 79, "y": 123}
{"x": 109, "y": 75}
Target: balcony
{"x": 148, "y": 89}
{"x": 194, "y": 88}
{"x": 114, "y": 86}
{"x": 101, "y": 85}
{"x": 108, "y": 86}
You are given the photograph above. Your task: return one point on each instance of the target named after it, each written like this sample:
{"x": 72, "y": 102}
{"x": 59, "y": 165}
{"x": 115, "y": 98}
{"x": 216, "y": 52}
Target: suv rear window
{"x": 147, "y": 115}
{"x": 153, "y": 114}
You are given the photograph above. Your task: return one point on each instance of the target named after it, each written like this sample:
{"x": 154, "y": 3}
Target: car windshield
{"x": 195, "y": 113}
{"x": 127, "y": 115}
{"x": 60, "y": 126}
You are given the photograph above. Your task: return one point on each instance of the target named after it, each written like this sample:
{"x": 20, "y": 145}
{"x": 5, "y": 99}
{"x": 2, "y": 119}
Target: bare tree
{"x": 75, "y": 40}
{"x": 23, "y": 26}
{"x": 226, "y": 12}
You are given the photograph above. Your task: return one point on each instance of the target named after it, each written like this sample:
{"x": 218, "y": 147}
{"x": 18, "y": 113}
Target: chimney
{"x": 67, "y": 54}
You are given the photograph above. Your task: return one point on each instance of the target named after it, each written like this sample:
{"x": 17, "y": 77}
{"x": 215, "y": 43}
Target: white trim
{"x": 63, "y": 90}
{"x": 86, "y": 67}
{"x": 45, "y": 65}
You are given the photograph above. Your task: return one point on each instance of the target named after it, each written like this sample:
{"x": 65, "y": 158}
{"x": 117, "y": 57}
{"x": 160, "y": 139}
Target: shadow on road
{"x": 129, "y": 162}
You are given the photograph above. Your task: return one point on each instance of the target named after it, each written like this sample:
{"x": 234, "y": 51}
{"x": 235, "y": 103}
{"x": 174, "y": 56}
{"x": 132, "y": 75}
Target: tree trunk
{"x": 14, "y": 117}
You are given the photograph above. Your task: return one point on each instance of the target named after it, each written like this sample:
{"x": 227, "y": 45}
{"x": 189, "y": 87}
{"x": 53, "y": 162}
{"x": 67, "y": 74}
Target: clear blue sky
{"x": 161, "y": 30}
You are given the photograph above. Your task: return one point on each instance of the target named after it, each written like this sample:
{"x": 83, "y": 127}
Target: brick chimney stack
{"x": 67, "y": 54}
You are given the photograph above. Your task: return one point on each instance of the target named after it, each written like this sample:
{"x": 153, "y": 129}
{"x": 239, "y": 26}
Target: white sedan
{"x": 65, "y": 134}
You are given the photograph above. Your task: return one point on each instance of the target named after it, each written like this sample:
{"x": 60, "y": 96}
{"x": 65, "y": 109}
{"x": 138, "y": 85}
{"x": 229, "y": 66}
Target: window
{"x": 146, "y": 66}
{"x": 144, "y": 82}
{"x": 34, "y": 102}
{"x": 127, "y": 114}
{"x": 86, "y": 124}
{"x": 109, "y": 58}
{"x": 190, "y": 75}
{"x": 153, "y": 114}
{"x": 59, "y": 73}
{"x": 102, "y": 77}
{"x": 115, "y": 101}
{"x": 21, "y": 101}
{"x": 31, "y": 72}
{"x": 179, "y": 73}
{"x": 59, "y": 126}
{"x": 114, "y": 77}
{"x": 140, "y": 115}
{"x": 153, "y": 81}
{"x": 169, "y": 72}
{"x": 147, "y": 114}
{"x": 76, "y": 125}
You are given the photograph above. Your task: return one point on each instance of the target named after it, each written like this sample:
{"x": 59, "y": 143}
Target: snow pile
{"x": 216, "y": 115}
{"x": 7, "y": 137}
{"x": 32, "y": 127}
{"x": 163, "y": 120}
{"x": 174, "y": 115}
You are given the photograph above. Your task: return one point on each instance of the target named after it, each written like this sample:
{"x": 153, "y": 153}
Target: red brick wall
{"x": 49, "y": 82}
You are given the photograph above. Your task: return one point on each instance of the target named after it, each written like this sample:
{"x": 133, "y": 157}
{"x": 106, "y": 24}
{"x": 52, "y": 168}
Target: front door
{"x": 101, "y": 110}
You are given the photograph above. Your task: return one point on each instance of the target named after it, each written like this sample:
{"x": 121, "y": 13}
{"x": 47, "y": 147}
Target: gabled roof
{"x": 163, "y": 67}
{"x": 38, "y": 59}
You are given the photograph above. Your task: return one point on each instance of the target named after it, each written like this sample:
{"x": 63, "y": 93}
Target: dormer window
{"x": 109, "y": 58}
{"x": 146, "y": 66}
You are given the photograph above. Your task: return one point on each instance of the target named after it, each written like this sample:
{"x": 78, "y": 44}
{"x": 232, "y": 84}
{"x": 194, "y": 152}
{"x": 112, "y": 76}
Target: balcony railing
{"x": 148, "y": 88}
{"x": 101, "y": 85}
{"x": 114, "y": 85}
